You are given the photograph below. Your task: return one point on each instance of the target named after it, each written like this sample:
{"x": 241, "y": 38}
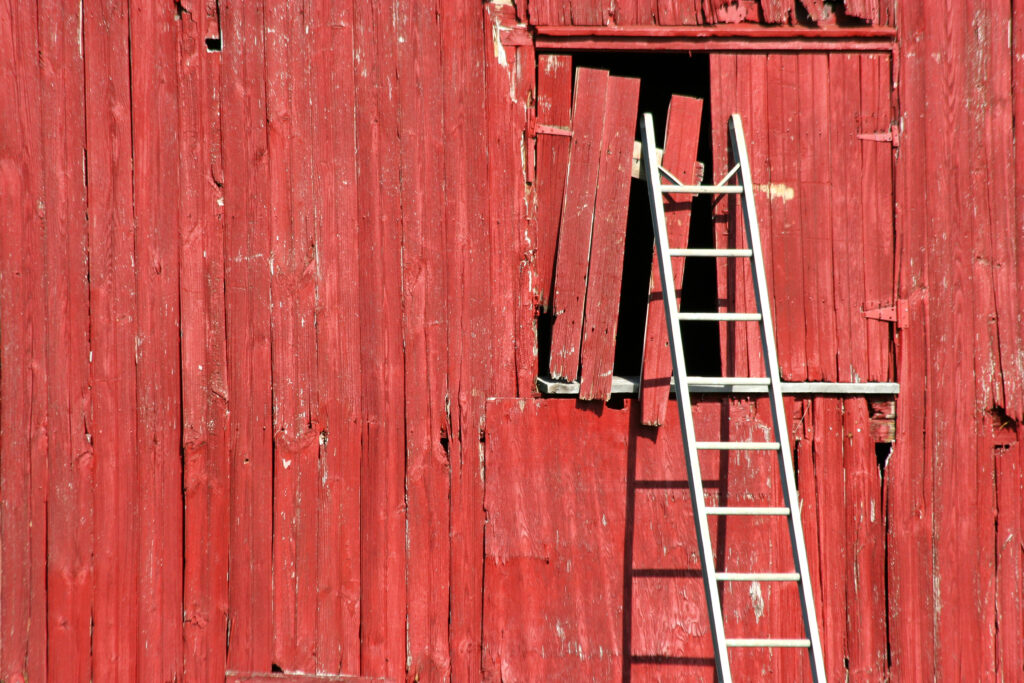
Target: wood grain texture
{"x": 682, "y": 134}
{"x": 554, "y": 108}
{"x": 382, "y": 513}
{"x": 337, "y": 341}
{"x": 205, "y": 407}
{"x": 23, "y": 410}
{"x": 467, "y": 238}
{"x": 574, "y": 236}
{"x": 247, "y": 330}
{"x": 611, "y": 206}
{"x": 425, "y": 331}
{"x": 157, "y": 350}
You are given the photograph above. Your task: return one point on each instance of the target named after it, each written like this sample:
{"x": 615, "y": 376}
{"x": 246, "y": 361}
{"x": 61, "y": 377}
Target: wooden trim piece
{"x": 631, "y": 385}
{"x": 718, "y": 38}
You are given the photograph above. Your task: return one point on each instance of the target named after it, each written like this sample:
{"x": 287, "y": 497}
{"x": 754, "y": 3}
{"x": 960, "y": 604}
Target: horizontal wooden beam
{"x": 717, "y": 38}
{"x": 630, "y": 385}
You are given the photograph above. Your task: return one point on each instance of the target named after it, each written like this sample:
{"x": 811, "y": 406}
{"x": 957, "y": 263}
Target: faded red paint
{"x": 253, "y": 303}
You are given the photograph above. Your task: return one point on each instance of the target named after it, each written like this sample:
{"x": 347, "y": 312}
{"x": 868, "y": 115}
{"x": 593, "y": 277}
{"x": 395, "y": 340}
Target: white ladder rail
{"x": 791, "y": 510}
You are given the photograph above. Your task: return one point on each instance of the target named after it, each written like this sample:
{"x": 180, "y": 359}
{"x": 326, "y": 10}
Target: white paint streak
{"x": 776, "y": 191}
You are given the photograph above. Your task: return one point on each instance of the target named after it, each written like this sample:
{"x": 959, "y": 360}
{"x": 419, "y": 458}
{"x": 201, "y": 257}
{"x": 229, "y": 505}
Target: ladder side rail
{"x": 739, "y": 150}
{"x": 683, "y": 402}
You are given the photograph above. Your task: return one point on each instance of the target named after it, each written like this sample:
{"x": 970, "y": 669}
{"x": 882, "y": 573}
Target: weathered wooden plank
{"x": 247, "y": 318}
{"x": 554, "y": 108}
{"x": 1009, "y": 571}
{"x": 588, "y": 113}
{"x": 787, "y": 273}
{"x": 611, "y": 204}
{"x": 877, "y": 238}
{"x": 203, "y": 353}
{"x": 337, "y": 341}
{"x": 425, "y": 333}
{"x": 23, "y": 410}
{"x": 867, "y": 10}
{"x": 777, "y": 11}
{"x": 817, "y": 447}
{"x": 814, "y": 197}
{"x": 682, "y": 133}
{"x": 69, "y": 469}
{"x": 467, "y": 237}
{"x": 846, "y": 216}
{"x": 382, "y": 476}
{"x": 156, "y": 154}
{"x": 293, "y": 298}
{"x": 554, "y": 570}
{"x": 865, "y": 538}
{"x": 910, "y": 546}
{"x": 513, "y": 353}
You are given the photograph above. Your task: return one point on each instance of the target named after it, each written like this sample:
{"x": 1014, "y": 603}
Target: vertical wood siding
{"x": 262, "y": 265}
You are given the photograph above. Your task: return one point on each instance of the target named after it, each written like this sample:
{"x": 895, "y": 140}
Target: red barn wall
{"x": 263, "y": 265}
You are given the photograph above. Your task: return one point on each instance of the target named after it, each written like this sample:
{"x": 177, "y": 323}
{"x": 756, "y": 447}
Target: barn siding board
{"x": 112, "y": 334}
{"x": 338, "y": 341}
{"x": 554, "y": 108}
{"x": 23, "y": 454}
{"x": 611, "y": 206}
{"x": 69, "y": 469}
{"x": 574, "y": 234}
{"x": 682, "y": 134}
{"x": 425, "y": 330}
{"x": 382, "y": 510}
{"x": 247, "y": 330}
{"x": 121, "y": 274}
{"x": 205, "y": 411}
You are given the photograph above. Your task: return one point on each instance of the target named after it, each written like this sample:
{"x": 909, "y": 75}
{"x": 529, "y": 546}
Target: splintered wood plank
{"x": 611, "y": 205}
{"x": 23, "y": 410}
{"x": 777, "y": 11}
{"x": 863, "y": 9}
{"x": 382, "y": 477}
{"x": 1009, "y": 570}
{"x": 337, "y": 342}
{"x": 425, "y": 332}
{"x": 156, "y": 154}
{"x": 588, "y": 112}
{"x": 203, "y": 359}
{"x": 865, "y": 526}
{"x": 554, "y": 108}
{"x": 247, "y": 327}
{"x": 817, "y": 447}
{"x": 682, "y": 134}
{"x": 512, "y": 328}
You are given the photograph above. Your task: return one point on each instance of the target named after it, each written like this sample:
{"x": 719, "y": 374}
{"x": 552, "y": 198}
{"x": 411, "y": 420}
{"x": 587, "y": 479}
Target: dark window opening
{"x": 661, "y": 76}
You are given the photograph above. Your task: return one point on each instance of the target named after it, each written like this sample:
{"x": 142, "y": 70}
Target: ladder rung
{"x": 710, "y": 252}
{"x": 719, "y": 316}
{"x": 767, "y": 642}
{"x": 738, "y": 445}
{"x": 729, "y": 381}
{"x": 750, "y": 511}
{"x": 766, "y": 576}
{"x": 701, "y": 189}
